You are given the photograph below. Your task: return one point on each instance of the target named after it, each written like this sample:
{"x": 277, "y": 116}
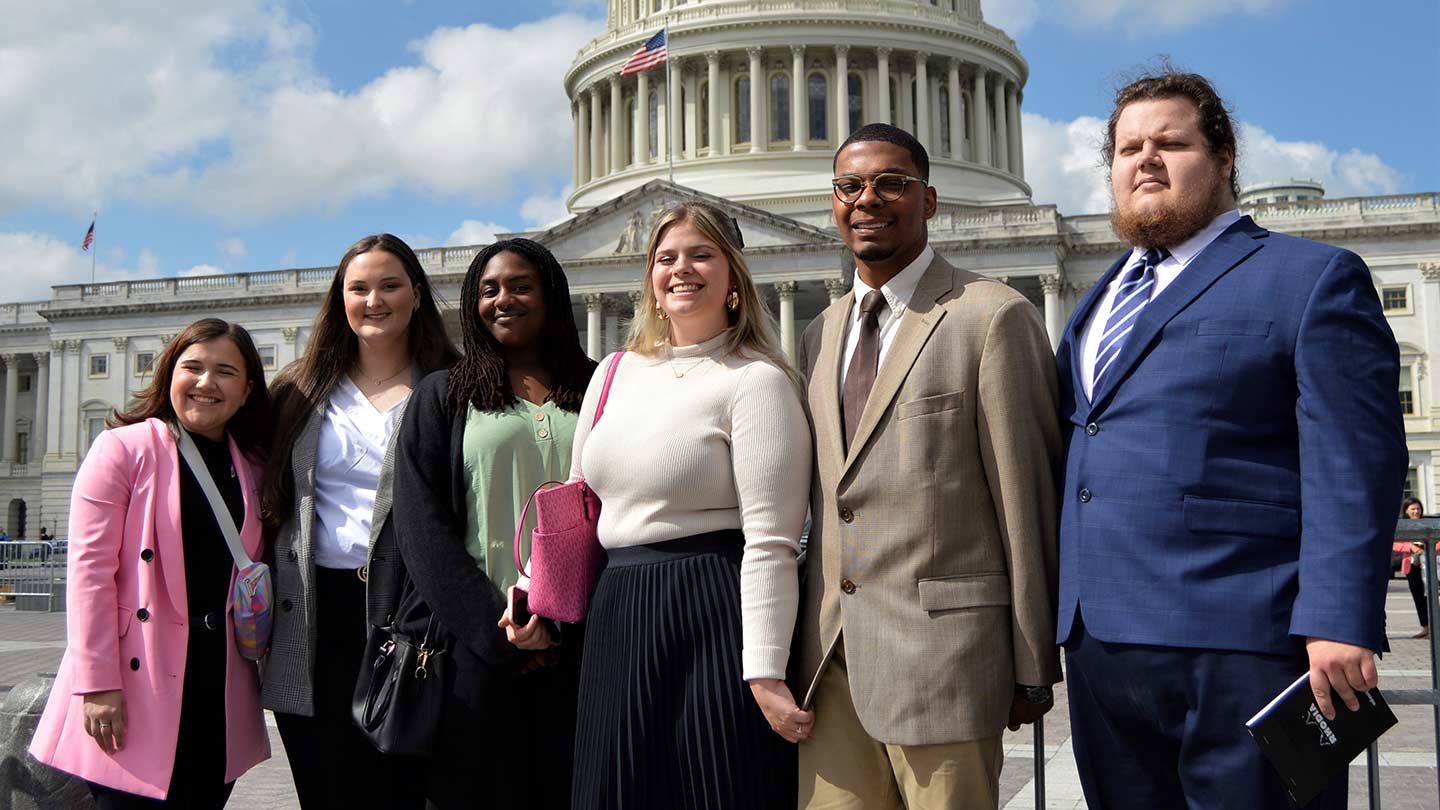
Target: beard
{"x": 1169, "y": 224}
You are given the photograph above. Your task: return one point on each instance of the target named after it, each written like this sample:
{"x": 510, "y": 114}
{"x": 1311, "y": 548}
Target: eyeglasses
{"x": 888, "y": 187}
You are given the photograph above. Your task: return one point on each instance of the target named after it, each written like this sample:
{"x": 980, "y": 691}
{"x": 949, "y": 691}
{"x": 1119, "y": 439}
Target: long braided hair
{"x": 482, "y": 377}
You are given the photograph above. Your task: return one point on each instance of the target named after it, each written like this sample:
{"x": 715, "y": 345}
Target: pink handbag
{"x": 565, "y": 552}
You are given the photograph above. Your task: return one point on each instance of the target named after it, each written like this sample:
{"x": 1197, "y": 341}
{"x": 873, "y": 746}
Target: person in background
{"x": 476, "y": 442}
{"x": 327, "y": 498}
{"x": 153, "y": 704}
{"x": 1413, "y": 509}
{"x": 702, "y": 462}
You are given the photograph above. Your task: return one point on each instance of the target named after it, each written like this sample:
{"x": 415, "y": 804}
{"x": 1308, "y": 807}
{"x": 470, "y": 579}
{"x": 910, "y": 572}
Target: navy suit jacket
{"x": 1233, "y": 484}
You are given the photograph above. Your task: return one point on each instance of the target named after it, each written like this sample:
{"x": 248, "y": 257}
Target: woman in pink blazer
{"x": 153, "y": 704}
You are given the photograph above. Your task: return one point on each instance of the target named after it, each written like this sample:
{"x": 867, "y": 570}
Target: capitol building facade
{"x": 759, "y": 94}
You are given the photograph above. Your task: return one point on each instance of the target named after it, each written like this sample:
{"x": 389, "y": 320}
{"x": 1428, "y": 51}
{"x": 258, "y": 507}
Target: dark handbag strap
{"x": 525, "y": 510}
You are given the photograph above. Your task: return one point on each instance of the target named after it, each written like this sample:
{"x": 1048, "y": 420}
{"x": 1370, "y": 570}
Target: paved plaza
{"x": 34, "y": 642}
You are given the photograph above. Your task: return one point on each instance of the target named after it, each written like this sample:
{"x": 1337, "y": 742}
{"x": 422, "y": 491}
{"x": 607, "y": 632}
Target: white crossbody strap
{"x": 222, "y": 512}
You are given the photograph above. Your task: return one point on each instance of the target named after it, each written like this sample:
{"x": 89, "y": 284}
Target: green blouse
{"x": 506, "y": 455}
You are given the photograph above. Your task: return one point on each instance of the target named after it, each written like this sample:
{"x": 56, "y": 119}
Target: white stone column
{"x": 1002, "y": 135}
{"x": 957, "y": 124}
{"x": 982, "y": 119}
{"x": 12, "y": 393}
{"x": 882, "y": 56}
{"x": 842, "y": 94}
{"x": 786, "y": 291}
{"x": 717, "y": 90}
{"x": 613, "y": 339}
{"x": 691, "y": 113}
{"x": 922, "y": 100}
{"x": 675, "y": 112}
{"x": 617, "y": 126}
{"x": 575, "y": 141}
{"x": 583, "y": 139}
{"x": 905, "y": 105}
{"x": 1054, "y": 318}
{"x": 597, "y": 128}
{"x": 759, "y": 135}
{"x": 1017, "y": 143}
{"x": 42, "y": 398}
{"x": 54, "y": 398}
{"x": 594, "y": 309}
{"x": 70, "y": 408}
{"x": 642, "y": 110}
{"x": 122, "y": 365}
{"x": 836, "y": 288}
{"x": 799, "y": 101}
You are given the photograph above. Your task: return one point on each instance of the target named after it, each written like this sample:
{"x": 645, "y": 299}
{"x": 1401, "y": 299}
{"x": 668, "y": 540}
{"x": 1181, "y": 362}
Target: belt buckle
{"x": 363, "y": 572}
{"x": 210, "y": 621}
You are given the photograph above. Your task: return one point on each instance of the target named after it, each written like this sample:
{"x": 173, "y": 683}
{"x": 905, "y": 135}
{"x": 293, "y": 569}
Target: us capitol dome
{"x": 761, "y": 92}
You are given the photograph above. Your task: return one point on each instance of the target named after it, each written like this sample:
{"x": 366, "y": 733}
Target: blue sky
{"x": 269, "y": 134}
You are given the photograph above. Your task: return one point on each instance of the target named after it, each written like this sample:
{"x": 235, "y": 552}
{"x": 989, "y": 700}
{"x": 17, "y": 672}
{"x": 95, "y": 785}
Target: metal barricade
{"x": 1425, "y": 531}
{"x": 31, "y": 569}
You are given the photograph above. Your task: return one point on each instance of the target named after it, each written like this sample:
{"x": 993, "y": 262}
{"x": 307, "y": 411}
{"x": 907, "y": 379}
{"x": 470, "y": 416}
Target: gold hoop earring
{"x": 661, "y": 314}
{"x": 732, "y": 301}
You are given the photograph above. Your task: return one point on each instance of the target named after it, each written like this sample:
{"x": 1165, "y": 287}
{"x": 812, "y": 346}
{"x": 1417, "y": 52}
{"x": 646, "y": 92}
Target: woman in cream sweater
{"x": 702, "y": 462}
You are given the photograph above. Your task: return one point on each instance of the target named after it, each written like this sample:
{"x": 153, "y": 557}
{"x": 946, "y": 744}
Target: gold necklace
{"x": 378, "y": 383}
{"x": 693, "y": 365}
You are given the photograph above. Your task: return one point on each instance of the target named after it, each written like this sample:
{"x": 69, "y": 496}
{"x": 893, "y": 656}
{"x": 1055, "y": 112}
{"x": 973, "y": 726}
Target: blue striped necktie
{"x": 1135, "y": 290}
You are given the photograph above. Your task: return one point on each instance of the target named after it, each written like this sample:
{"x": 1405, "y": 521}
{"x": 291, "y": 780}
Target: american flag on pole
{"x": 89, "y": 237}
{"x": 649, "y": 55}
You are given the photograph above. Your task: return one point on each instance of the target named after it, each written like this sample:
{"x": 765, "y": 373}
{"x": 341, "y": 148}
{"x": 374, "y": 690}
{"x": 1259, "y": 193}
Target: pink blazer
{"x": 126, "y": 554}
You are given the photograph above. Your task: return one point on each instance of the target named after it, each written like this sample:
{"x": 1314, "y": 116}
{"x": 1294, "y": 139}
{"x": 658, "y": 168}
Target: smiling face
{"x": 690, "y": 278}
{"x": 209, "y": 385}
{"x": 884, "y": 236}
{"x": 512, "y": 301}
{"x": 379, "y": 298}
{"x": 1413, "y": 511}
{"x": 1166, "y": 182}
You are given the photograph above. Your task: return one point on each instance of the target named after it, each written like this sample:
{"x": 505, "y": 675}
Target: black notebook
{"x": 1309, "y": 750}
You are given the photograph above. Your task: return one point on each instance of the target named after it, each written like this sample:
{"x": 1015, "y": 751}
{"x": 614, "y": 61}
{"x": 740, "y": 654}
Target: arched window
{"x": 945, "y": 145}
{"x": 654, "y": 123}
{"x": 857, "y": 102}
{"x": 818, "y": 91}
{"x": 742, "y": 109}
{"x": 702, "y": 135}
{"x": 780, "y": 107}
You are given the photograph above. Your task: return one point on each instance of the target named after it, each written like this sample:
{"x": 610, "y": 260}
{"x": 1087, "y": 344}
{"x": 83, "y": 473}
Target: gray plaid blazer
{"x": 290, "y": 666}
{"x": 933, "y": 538}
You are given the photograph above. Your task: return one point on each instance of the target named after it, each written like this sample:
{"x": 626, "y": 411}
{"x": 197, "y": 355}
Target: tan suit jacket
{"x": 933, "y": 539}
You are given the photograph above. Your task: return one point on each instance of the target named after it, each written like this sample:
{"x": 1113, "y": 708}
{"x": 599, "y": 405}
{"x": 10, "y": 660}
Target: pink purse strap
{"x": 525, "y": 510}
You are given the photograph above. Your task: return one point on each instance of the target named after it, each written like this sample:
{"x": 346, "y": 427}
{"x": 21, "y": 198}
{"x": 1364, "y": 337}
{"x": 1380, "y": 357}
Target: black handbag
{"x": 400, "y": 694}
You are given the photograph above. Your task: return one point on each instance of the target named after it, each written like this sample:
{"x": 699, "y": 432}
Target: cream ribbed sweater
{"x": 726, "y": 446}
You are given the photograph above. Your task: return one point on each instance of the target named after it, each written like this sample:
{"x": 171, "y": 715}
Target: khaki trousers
{"x": 844, "y": 768}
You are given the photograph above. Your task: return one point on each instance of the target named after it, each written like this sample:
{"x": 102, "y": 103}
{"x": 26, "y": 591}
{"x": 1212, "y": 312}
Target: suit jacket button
{"x": 847, "y": 586}
{"x": 294, "y": 555}
{"x": 847, "y": 515}
{"x": 1091, "y": 429}
{"x": 1084, "y": 496}
{"x": 135, "y": 664}
{"x": 143, "y": 615}
{"x": 286, "y": 606}
{"x": 147, "y": 555}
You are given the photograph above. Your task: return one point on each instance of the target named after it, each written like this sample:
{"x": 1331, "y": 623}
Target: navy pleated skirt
{"x": 666, "y": 721}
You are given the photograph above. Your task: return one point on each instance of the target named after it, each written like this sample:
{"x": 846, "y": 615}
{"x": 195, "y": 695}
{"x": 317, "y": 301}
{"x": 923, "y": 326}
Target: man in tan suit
{"x": 928, "y": 618}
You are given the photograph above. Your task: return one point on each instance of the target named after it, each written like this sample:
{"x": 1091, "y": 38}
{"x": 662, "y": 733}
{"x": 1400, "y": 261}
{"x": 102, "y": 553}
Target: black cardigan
{"x": 432, "y": 570}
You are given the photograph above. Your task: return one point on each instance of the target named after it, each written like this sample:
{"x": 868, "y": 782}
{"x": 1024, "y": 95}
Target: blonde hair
{"x": 753, "y": 329}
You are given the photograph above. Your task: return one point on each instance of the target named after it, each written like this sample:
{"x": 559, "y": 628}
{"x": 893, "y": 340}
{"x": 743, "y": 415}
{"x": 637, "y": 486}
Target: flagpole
{"x": 94, "y": 217}
{"x": 669, "y": 113}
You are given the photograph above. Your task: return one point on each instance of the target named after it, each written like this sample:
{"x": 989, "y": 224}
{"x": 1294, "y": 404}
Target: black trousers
{"x": 1416, "y": 581}
{"x": 331, "y": 762}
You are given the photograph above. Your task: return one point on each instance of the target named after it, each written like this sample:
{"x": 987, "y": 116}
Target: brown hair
{"x": 1167, "y": 82}
{"x": 333, "y": 351}
{"x": 249, "y": 426}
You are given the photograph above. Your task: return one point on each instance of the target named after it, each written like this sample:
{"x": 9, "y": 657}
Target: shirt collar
{"x": 900, "y": 289}
{"x": 1186, "y": 251}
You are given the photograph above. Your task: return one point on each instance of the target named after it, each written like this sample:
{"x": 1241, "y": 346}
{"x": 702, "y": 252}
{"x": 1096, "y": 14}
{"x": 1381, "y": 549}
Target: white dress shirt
{"x": 347, "y": 473}
{"x": 897, "y": 293}
{"x": 1180, "y": 256}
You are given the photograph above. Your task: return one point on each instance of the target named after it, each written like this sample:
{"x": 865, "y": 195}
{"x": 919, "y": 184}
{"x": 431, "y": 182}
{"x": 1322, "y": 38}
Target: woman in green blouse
{"x": 476, "y": 441}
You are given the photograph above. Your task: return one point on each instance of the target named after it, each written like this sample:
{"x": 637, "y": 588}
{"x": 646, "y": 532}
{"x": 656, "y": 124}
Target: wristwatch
{"x": 1035, "y": 694}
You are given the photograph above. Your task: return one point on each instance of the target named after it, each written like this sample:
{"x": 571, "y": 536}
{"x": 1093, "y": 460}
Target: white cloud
{"x": 202, "y": 270}
{"x": 147, "y": 263}
{"x": 218, "y": 108}
{"x": 543, "y": 210}
{"x": 40, "y": 261}
{"x": 474, "y": 232}
{"x": 1016, "y": 17}
{"x": 233, "y": 247}
{"x": 1062, "y": 164}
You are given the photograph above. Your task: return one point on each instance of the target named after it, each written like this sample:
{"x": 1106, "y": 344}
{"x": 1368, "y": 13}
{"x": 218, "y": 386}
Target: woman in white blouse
{"x": 327, "y": 496}
{"x": 702, "y": 463}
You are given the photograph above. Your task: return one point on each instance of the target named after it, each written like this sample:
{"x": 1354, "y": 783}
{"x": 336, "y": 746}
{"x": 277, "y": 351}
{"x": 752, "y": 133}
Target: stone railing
{"x": 1359, "y": 209}
{"x": 1020, "y": 220}
{"x": 22, "y": 313}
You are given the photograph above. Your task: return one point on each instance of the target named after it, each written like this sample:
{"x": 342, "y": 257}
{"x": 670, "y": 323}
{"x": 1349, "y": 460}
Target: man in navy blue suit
{"x": 1235, "y": 457}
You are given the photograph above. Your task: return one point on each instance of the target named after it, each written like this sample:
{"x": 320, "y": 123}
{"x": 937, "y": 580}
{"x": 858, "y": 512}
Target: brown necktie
{"x": 864, "y": 365}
